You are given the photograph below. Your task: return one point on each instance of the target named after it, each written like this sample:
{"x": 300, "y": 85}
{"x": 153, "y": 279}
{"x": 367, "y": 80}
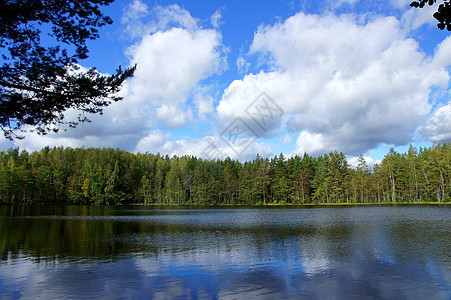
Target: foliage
{"x": 442, "y": 15}
{"x": 109, "y": 176}
{"x": 39, "y": 79}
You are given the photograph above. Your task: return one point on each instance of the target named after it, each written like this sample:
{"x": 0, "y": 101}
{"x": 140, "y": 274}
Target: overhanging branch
{"x": 29, "y": 88}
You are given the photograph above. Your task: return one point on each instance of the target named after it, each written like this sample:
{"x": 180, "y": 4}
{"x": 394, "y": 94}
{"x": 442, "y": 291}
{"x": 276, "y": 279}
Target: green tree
{"x": 395, "y": 171}
{"x": 363, "y": 172}
{"x": 112, "y": 194}
{"x": 304, "y": 177}
{"x": 378, "y": 182}
{"x": 246, "y": 183}
{"x": 200, "y": 182}
{"x": 262, "y": 179}
{"x": 109, "y": 176}
{"x": 412, "y": 161}
{"x": 438, "y": 170}
{"x": 174, "y": 192}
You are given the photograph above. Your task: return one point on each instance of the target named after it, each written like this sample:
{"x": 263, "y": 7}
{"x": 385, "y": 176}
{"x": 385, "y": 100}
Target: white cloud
{"x": 203, "y": 101}
{"x": 287, "y": 139}
{"x": 171, "y": 63}
{"x": 442, "y": 55}
{"x": 172, "y": 57}
{"x": 153, "y": 142}
{"x": 135, "y": 10}
{"x": 216, "y": 18}
{"x": 174, "y": 15}
{"x": 172, "y": 116}
{"x": 338, "y": 3}
{"x": 438, "y": 126}
{"x": 132, "y": 19}
{"x": 242, "y": 65}
{"x": 83, "y": 136}
{"x": 241, "y": 94}
{"x": 310, "y": 143}
{"x": 342, "y": 84}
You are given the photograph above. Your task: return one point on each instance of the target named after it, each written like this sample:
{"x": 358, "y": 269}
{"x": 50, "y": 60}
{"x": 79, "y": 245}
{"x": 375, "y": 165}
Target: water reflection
{"x": 372, "y": 252}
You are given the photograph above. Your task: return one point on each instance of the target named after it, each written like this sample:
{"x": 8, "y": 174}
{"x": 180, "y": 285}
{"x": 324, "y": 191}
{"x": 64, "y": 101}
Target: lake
{"x": 135, "y": 252}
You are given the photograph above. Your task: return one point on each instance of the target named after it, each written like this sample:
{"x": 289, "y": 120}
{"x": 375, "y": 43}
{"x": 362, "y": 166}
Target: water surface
{"x": 400, "y": 252}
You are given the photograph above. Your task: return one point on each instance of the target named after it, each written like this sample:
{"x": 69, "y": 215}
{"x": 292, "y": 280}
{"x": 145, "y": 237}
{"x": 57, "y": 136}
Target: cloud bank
{"x": 343, "y": 84}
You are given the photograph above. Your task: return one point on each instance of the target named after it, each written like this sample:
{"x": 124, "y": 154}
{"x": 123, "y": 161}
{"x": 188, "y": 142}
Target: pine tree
{"x": 40, "y": 81}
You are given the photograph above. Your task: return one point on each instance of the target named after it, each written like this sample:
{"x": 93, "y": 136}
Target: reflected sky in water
{"x": 400, "y": 252}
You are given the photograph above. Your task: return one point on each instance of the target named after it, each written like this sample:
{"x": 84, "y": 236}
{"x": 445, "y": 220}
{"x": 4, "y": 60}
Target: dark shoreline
{"x": 268, "y": 205}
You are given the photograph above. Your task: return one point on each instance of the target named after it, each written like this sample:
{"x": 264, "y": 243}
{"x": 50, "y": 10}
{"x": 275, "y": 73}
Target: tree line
{"x": 113, "y": 176}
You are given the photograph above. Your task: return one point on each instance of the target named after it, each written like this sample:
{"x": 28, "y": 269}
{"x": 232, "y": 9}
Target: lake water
{"x": 375, "y": 252}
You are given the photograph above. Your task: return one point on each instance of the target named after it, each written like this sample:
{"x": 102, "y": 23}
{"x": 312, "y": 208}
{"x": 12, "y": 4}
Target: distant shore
{"x": 279, "y": 205}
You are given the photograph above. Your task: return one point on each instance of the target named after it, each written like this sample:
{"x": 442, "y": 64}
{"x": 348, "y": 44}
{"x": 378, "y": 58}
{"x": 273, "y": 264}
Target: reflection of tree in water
{"x": 315, "y": 236}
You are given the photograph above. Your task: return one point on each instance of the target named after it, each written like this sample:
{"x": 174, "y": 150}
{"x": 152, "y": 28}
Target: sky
{"x": 237, "y": 78}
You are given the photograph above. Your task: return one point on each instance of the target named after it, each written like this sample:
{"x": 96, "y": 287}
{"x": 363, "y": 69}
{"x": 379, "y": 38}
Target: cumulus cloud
{"x": 342, "y": 84}
{"x": 310, "y": 143}
{"x": 442, "y": 55}
{"x": 172, "y": 116}
{"x": 438, "y": 126}
{"x": 171, "y": 63}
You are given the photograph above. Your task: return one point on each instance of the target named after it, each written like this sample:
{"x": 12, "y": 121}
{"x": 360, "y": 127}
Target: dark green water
{"x": 398, "y": 252}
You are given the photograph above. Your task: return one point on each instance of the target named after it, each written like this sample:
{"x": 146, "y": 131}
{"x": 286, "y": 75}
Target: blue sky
{"x": 237, "y": 78}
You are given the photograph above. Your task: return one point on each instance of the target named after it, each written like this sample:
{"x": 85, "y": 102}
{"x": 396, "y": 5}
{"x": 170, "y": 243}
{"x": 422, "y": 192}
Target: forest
{"x": 112, "y": 176}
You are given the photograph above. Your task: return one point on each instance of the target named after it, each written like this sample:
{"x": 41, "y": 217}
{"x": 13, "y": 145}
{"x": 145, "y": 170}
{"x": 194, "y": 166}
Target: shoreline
{"x": 271, "y": 205}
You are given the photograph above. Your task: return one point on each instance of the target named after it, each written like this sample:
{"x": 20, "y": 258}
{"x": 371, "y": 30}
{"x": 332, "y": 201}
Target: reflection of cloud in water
{"x": 315, "y": 266}
{"x": 204, "y": 276}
